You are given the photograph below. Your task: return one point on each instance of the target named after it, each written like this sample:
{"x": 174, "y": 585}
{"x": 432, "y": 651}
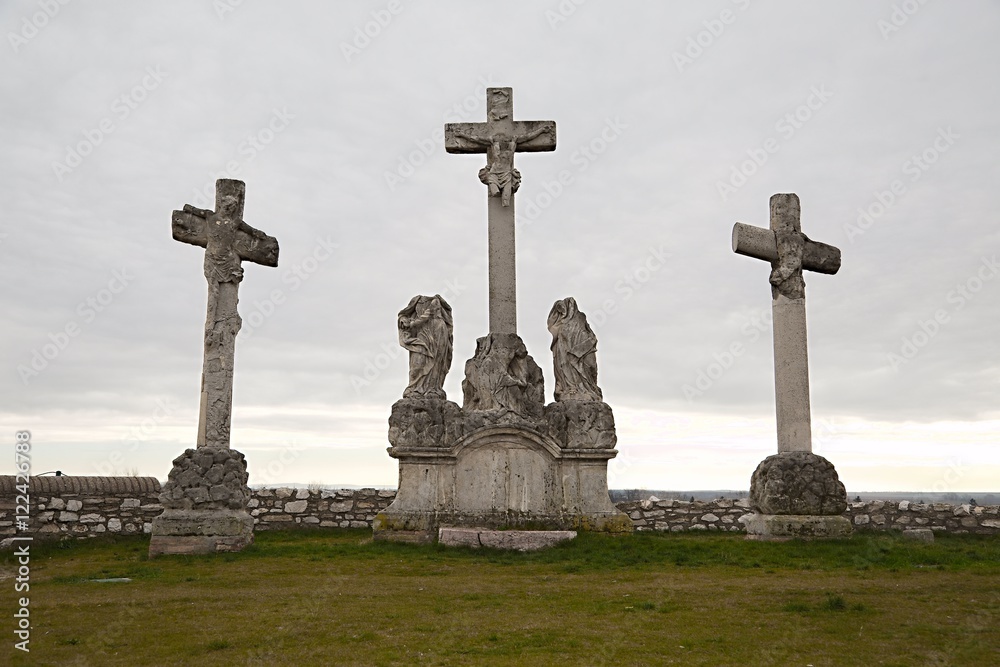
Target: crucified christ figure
{"x": 499, "y": 173}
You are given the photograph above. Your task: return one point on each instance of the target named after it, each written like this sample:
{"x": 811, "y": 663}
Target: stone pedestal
{"x": 504, "y": 460}
{"x": 200, "y": 532}
{"x": 205, "y": 500}
{"x": 796, "y": 495}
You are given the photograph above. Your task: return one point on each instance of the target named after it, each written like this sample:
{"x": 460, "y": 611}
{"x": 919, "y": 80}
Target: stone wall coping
{"x": 91, "y": 485}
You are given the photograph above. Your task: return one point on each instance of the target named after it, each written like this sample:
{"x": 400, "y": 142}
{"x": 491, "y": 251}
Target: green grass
{"x": 337, "y": 598}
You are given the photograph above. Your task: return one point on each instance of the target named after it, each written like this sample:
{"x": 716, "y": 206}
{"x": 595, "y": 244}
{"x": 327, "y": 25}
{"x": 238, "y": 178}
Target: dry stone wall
{"x": 90, "y": 506}
{"x": 82, "y": 506}
{"x": 878, "y": 515}
{"x": 327, "y": 508}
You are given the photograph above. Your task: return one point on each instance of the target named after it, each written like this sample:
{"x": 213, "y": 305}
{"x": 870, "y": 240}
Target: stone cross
{"x": 500, "y": 137}
{"x": 228, "y": 241}
{"x": 789, "y": 251}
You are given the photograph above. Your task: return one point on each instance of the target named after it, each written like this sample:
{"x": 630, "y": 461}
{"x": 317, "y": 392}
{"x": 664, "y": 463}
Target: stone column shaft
{"x": 503, "y": 281}
{"x": 221, "y": 326}
{"x": 791, "y": 375}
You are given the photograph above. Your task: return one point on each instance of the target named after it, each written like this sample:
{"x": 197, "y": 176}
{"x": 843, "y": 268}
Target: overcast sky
{"x": 675, "y": 120}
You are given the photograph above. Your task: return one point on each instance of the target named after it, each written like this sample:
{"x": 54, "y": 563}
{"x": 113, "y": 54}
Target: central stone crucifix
{"x": 500, "y": 137}
{"x": 504, "y": 459}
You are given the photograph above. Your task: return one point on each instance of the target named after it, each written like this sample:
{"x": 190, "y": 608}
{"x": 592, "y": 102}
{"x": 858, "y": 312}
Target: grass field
{"x": 337, "y": 598}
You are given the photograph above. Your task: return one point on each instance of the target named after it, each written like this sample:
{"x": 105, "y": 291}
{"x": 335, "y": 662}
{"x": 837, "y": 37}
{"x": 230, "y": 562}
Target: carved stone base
{"x": 581, "y": 424}
{"x": 200, "y": 532}
{"x": 503, "y": 476}
{"x": 783, "y": 527}
{"x": 503, "y": 460}
{"x": 799, "y": 483}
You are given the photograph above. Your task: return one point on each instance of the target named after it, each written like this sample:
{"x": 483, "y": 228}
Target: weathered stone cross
{"x": 789, "y": 251}
{"x": 227, "y": 241}
{"x": 500, "y": 137}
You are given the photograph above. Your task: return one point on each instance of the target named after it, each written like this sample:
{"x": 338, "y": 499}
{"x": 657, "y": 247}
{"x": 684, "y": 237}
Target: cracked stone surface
{"x": 797, "y": 483}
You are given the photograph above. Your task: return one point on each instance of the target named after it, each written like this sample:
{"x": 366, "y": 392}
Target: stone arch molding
{"x": 507, "y": 435}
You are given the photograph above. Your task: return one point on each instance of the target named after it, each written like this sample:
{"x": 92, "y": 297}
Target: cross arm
{"x": 190, "y": 225}
{"x": 532, "y": 136}
{"x": 255, "y": 246}
{"x": 466, "y": 137}
{"x": 761, "y": 244}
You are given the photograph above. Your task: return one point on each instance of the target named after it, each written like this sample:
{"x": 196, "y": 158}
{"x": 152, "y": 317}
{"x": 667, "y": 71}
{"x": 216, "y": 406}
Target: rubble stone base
{"x": 205, "y": 500}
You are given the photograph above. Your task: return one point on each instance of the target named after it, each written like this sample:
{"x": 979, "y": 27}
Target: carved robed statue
{"x": 574, "y": 353}
{"x": 425, "y": 329}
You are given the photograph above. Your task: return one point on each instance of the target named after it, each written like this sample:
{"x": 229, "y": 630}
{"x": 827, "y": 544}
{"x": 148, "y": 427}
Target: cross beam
{"x": 500, "y": 137}
{"x": 789, "y": 251}
{"x": 228, "y": 241}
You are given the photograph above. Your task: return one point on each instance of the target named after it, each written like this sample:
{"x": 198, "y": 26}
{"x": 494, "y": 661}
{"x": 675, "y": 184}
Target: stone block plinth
{"x": 781, "y": 527}
{"x": 509, "y": 540}
{"x": 200, "y": 532}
